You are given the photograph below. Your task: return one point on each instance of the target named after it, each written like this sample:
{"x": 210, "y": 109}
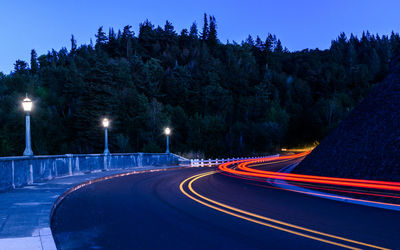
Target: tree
{"x": 127, "y": 33}
{"x": 34, "y": 63}
{"x": 204, "y": 34}
{"x": 147, "y": 36}
{"x": 20, "y": 67}
{"x": 212, "y": 39}
{"x": 278, "y": 48}
{"x": 127, "y": 37}
{"x": 73, "y": 43}
{"x": 193, "y": 30}
{"x": 169, "y": 28}
{"x": 374, "y": 64}
{"x": 101, "y": 37}
{"x": 352, "y": 53}
{"x": 259, "y": 44}
{"x": 250, "y": 40}
{"x": 270, "y": 42}
{"x": 113, "y": 45}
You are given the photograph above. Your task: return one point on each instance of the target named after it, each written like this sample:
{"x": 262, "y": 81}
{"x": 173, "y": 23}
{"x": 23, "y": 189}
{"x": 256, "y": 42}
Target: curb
{"x": 87, "y": 183}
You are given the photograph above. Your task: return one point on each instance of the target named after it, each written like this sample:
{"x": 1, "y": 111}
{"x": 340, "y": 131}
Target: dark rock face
{"x": 366, "y": 144}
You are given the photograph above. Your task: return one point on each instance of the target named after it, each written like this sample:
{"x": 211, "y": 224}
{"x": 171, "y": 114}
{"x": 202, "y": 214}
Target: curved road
{"x": 198, "y": 208}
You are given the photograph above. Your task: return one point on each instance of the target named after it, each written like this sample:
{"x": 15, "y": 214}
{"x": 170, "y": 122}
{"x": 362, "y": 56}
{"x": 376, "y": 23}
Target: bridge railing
{"x": 215, "y": 162}
{"x": 22, "y": 170}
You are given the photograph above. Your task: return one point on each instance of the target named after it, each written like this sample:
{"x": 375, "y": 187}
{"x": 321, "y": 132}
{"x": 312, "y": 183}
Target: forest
{"x": 220, "y": 98}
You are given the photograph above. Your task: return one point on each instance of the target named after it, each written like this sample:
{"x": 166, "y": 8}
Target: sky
{"x": 44, "y": 25}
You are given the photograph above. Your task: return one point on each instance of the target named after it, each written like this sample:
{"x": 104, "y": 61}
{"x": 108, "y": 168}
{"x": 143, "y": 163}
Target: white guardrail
{"x": 214, "y": 162}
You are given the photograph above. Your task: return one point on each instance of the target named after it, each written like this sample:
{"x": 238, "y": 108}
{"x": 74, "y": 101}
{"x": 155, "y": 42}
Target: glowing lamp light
{"x": 27, "y": 104}
{"x": 106, "y": 122}
{"x": 167, "y": 132}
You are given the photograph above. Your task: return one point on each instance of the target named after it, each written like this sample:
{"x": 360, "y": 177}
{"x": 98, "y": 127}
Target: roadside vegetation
{"x": 220, "y": 98}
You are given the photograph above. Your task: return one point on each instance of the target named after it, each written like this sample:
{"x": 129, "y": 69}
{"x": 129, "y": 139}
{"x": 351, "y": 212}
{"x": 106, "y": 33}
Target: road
{"x": 198, "y": 208}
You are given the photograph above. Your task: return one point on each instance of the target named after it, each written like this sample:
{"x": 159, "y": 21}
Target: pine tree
{"x": 269, "y": 43}
{"x": 184, "y": 33}
{"x": 250, "y": 40}
{"x": 146, "y": 33}
{"x": 127, "y": 33}
{"x": 204, "y": 34}
{"x": 278, "y": 47}
{"x": 34, "y": 63}
{"x": 111, "y": 34}
{"x": 73, "y": 43}
{"x": 193, "y": 30}
{"x": 352, "y": 53}
{"x": 101, "y": 37}
{"x": 169, "y": 28}
{"x": 127, "y": 37}
{"x": 20, "y": 67}
{"x": 212, "y": 39}
{"x": 395, "y": 43}
{"x": 259, "y": 43}
{"x": 374, "y": 63}
{"x": 113, "y": 46}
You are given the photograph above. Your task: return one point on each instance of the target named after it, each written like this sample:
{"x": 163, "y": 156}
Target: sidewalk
{"x": 24, "y": 212}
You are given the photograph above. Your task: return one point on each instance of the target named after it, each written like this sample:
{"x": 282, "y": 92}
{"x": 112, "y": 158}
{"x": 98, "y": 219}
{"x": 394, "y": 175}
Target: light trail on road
{"x": 206, "y": 208}
{"x": 244, "y": 169}
{"x": 315, "y": 187}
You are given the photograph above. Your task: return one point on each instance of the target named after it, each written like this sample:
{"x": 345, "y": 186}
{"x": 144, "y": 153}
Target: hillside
{"x": 220, "y": 99}
{"x": 367, "y": 143}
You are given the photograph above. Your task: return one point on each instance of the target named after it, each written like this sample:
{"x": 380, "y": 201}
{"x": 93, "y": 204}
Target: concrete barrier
{"x": 20, "y": 171}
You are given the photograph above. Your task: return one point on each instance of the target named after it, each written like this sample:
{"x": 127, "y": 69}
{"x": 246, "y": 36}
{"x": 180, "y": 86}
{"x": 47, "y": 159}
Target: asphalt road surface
{"x": 198, "y": 208}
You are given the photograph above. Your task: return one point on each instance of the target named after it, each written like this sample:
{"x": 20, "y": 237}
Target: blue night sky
{"x": 46, "y": 24}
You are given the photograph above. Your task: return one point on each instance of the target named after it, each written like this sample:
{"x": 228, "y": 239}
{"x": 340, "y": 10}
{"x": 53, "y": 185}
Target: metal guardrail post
{"x": 30, "y": 171}
{"x": 12, "y": 174}
{"x": 211, "y": 162}
{"x": 69, "y": 163}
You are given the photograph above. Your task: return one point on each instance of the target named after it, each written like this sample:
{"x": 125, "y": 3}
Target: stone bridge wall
{"x": 20, "y": 171}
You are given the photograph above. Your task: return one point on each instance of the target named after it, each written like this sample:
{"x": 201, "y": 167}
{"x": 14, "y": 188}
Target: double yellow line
{"x": 262, "y": 220}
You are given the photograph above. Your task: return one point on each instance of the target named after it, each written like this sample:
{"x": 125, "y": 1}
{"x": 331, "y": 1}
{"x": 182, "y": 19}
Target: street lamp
{"x": 27, "y": 105}
{"x": 167, "y": 132}
{"x": 106, "y": 123}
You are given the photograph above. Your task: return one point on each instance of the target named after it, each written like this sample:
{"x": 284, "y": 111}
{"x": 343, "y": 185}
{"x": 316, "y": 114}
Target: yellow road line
{"x": 196, "y": 177}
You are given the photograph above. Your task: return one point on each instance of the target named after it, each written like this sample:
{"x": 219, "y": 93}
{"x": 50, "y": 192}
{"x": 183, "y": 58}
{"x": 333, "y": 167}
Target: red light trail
{"x": 244, "y": 168}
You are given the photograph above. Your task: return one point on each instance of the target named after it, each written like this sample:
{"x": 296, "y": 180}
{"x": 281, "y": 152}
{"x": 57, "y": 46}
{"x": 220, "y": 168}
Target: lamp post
{"x": 167, "y": 132}
{"x": 27, "y": 105}
{"x": 106, "y": 123}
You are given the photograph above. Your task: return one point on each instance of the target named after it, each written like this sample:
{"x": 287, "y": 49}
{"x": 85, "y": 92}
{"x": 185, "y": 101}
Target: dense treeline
{"x": 219, "y": 98}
